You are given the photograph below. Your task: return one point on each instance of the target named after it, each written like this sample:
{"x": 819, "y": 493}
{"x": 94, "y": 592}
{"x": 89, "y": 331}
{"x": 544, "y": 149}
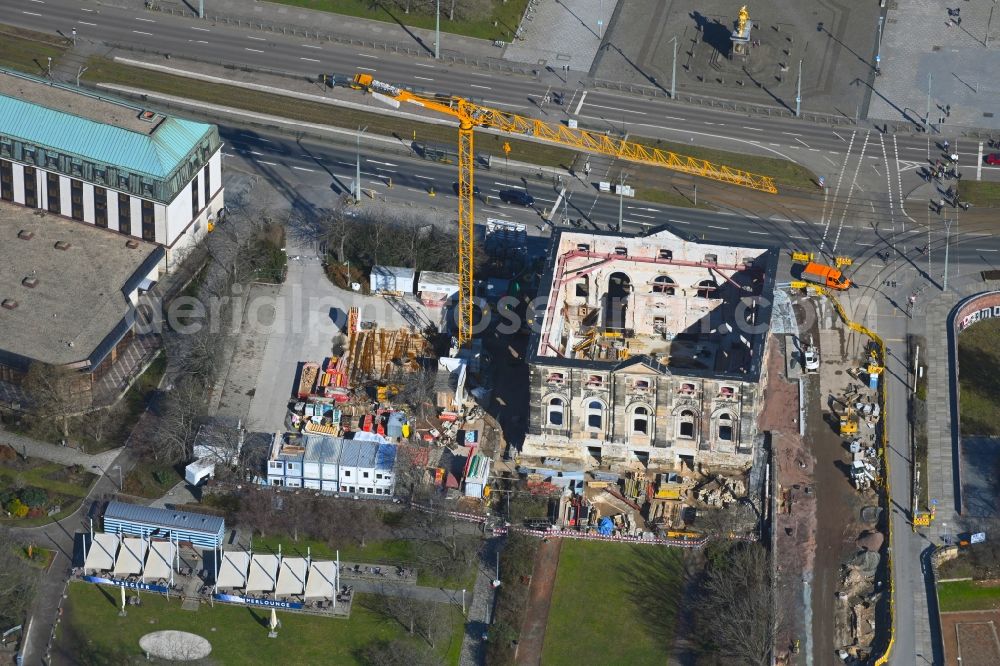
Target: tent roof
{"x": 101, "y": 556}
{"x": 160, "y": 560}
{"x": 263, "y": 573}
{"x": 131, "y": 556}
{"x": 233, "y": 569}
{"x": 291, "y": 576}
{"x": 320, "y": 584}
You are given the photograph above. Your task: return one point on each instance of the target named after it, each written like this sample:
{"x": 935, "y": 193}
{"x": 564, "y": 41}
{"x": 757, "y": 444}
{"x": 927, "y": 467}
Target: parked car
{"x": 519, "y": 197}
{"x": 992, "y": 158}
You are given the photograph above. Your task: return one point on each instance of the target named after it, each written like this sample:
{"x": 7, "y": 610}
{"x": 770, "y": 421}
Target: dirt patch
{"x": 972, "y": 637}
{"x": 543, "y": 579}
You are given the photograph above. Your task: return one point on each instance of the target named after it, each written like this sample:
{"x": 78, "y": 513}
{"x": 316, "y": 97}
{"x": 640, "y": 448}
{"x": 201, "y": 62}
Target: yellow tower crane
{"x": 471, "y": 115}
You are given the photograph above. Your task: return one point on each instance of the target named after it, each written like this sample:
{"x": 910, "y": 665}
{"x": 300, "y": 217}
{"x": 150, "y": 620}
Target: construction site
{"x": 828, "y": 512}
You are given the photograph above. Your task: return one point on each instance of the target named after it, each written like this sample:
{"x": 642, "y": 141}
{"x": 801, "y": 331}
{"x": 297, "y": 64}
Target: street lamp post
{"x": 79, "y": 73}
{"x": 48, "y": 67}
{"x": 673, "y": 73}
{"x": 927, "y": 116}
{"x": 947, "y": 246}
{"x": 437, "y": 32}
{"x": 74, "y": 36}
{"x": 357, "y": 173}
{"x": 798, "y": 92}
{"x": 600, "y": 22}
{"x": 878, "y": 48}
{"x": 201, "y": 9}
{"x": 121, "y": 479}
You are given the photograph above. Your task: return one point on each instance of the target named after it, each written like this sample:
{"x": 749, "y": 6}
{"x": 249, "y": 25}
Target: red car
{"x": 993, "y": 158}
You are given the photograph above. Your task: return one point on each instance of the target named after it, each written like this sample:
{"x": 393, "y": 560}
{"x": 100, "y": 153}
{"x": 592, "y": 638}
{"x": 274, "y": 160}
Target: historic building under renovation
{"x": 650, "y": 351}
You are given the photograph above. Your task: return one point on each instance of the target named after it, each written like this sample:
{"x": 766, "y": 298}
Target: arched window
{"x": 706, "y": 289}
{"x": 663, "y": 284}
{"x": 725, "y": 427}
{"x": 685, "y": 425}
{"x": 555, "y": 412}
{"x": 595, "y": 414}
{"x": 640, "y": 421}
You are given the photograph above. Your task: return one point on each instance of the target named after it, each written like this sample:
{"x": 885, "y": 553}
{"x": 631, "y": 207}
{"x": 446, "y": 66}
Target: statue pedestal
{"x": 741, "y": 42}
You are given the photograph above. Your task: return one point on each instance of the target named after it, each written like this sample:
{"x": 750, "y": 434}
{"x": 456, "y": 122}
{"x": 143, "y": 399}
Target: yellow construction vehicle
{"x": 802, "y": 256}
{"x": 849, "y": 422}
{"x": 471, "y": 115}
{"x": 843, "y": 261}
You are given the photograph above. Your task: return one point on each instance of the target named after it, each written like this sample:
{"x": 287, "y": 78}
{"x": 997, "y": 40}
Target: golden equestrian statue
{"x": 744, "y": 17}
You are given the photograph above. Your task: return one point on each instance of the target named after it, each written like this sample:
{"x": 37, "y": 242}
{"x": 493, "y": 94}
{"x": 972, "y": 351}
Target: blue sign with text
{"x": 146, "y": 587}
{"x": 251, "y": 601}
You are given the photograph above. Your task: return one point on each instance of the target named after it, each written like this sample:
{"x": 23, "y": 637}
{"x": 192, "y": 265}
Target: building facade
{"x": 107, "y": 162}
{"x": 649, "y": 352}
{"x": 333, "y": 465}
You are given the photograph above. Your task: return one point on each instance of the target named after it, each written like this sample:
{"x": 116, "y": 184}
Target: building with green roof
{"x": 108, "y": 162}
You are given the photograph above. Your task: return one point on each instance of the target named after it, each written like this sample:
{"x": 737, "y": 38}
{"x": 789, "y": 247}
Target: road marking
{"x": 257, "y": 39}
{"x": 423, "y": 78}
{"x": 753, "y": 129}
{"x": 202, "y": 29}
{"x": 759, "y": 233}
{"x": 473, "y": 85}
{"x": 228, "y": 155}
{"x": 778, "y": 144}
{"x": 791, "y": 133}
{"x": 365, "y": 55}
{"x": 829, "y": 160}
{"x": 985, "y": 249}
{"x": 510, "y": 187}
{"x": 248, "y": 49}
{"x": 383, "y": 163}
{"x": 862, "y": 243}
{"x": 148, "y": 34}
{"x": 85, "y": 23}
{"x": 615, "y": 108}
{"x": 714, "y": 227}
{"x": 258, "y": 138}
{"x": 421, "y": 64}
{"x": 86, "y": 10}
{"x": 650, "y": 217}
{"x": 979, "y": 163}
{"x": 311, "y": 46}
{"x": 200, "y": 41}
{"x": 145, "y": 20}
{"x": 304, "y": 169}
{"x": 254, "y": 152}
{"x": 580, "y": 105}
{"x": 678, "y": 221}
{"x": 802, "y": 142}
{"x": 799, "y": 237}
{"x": 267, "y": 163}
{"x": 367, "y": 69}
{"x": 416, "y": 175}
{"x": 30, "y": 13}
{"x": 309, "y": 59}
{"x": 975, "y": 233}
{"x": 496, "y": 103}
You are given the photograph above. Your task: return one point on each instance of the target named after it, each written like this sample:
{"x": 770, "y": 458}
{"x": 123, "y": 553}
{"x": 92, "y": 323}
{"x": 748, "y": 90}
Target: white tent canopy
{"x": 291, "y": 576}
{"x": 131, "y": 556}
{"x": 321, "y": 583}
{"x": 263, "y": 573}
{"x": 233, "y": 569}
{"x": 101, "y": 556}
{"x": 160, "y": 560}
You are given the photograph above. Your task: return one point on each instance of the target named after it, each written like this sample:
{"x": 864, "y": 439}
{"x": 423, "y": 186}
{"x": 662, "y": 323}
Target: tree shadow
{"x": 407, "y": 30}
{"x": 656, "y": 578}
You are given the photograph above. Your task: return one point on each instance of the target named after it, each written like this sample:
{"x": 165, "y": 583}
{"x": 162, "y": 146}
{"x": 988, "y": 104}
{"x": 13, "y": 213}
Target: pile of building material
{"x": 380, "y": 353}
{"x": 858, "y": 596}
{"x": 720, "y": 491}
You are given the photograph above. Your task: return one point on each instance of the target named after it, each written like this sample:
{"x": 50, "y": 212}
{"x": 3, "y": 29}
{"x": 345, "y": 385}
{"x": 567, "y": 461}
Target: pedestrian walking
{"x": 940, "y": 205}
{"x": 965, "y": 205}
{"x": 944, "y": 144}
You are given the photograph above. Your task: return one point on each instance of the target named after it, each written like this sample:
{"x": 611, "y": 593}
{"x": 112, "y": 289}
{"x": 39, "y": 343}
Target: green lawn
{"x": 102, "y": 70}
{"x": 28, "y": 51}
{"x": 65, "y": 488}
{"x": 604, "y": 603}
{"x": 966, "y": 595}
{"x": 238, "y": 634}
{"x": 506, "y": 13}
{"x": 982, "y": 193}
{"x": 979, "y": 363}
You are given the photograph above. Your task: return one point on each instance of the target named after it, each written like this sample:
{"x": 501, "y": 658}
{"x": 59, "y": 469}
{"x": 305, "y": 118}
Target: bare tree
{"x": 56, "y": 392}
{"x": 399, "y": 652}
{"x": 180, "y": 413}
{"x": 17, "y": 582}
{"x": 435, "y": 622}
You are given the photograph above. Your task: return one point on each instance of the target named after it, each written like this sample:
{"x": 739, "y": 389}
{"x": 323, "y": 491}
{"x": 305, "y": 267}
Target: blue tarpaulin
{"x": 606, "y": 526}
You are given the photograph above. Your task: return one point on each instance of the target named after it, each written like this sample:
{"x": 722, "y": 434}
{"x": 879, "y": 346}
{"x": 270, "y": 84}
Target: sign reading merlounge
{"x": 251, "y": 601}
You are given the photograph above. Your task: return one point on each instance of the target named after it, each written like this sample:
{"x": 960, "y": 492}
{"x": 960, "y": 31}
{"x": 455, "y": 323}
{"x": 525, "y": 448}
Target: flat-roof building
{"x": 333, "y": 464}
{"x": 650, "y": 351}
{"x": 104, "y": 161}
{"x": 144, "y": 521}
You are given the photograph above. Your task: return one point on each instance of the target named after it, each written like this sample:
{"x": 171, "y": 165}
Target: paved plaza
{"x": 559, "y": 33}
{"x": 921, "y": 40}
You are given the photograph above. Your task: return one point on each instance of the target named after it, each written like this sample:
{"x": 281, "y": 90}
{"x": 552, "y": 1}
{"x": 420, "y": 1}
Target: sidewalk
{"x": 479, "y": 616}
{"x": 63, "y": 455}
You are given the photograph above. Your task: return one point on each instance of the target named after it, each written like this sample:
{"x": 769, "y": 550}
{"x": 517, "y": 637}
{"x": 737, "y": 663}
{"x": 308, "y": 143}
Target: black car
{"x": 475, "y": 190}
{"x": 519, "y": 197}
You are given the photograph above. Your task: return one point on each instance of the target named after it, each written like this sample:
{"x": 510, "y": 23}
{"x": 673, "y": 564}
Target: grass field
{"x": 238, "y": 634}
{"x": 28, "y": 51}
{"x": 102, "y": 70}
{"x": 601, "y": 604}
{"x": 979, "y": 363}
{"x": 506, "y": 13}
{"x": 982, "y": 193}
{"x": 967, "y": 595}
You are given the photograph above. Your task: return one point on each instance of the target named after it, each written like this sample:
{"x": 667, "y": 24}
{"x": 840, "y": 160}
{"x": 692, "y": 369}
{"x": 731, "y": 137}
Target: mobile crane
{"x": 471, "y": 115}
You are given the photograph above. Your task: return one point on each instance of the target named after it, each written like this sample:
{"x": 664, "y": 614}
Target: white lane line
{"x": 365, "y": 55}
{"x": 753, "y": 129}
{"x": 473, "y": 85}
{"x": 258, "y": 138}
{"x": 615, "y": 108}
{"x": 311, "y": 46}
{"x": 228, "y": 155}
{"x": 496, "y": 103}
{"x": 649, "y": 217}
{"x": 977, "y": 233}
{"x": 799, "y": 237}
{"x": 256, "y": 39}
{"x": 416, "y": 175}
{"x": 30, "y": 13}
{"x": 778, "y": 144}
{"x": 201, "y": 29}
{"x": 382, "y": 163}
{"x": 267, "y": 163}
{"x": 714, "y": 227}
{"x": 840, "y": 137}
{"x": 304, "y": 169}
{"x": 829, "y": 160}
{"x": 254, "y": 50}
{"x": 861, "y": 243}
{"x": 678, "y": 221}
{"x": 792, "y": 133}
{"x": 145, "y": 20}
{"x": 423, "y": 78}
{"x": 979, "y": 163}
{"x": 148, "y": 34}
{"x": 309, "y": 59}
{"x": 421, "y": 64}
{"x": 985, "y": 249}
{"x": 759, "y": 233}
{"x": 802, "y": 142}
{"x": 86, "y": 10}
{"x": 93, "y": 25}
{"x": 580, "y": 105}
{"x": 201, "y": 41}
{"x": 367, "y": 69}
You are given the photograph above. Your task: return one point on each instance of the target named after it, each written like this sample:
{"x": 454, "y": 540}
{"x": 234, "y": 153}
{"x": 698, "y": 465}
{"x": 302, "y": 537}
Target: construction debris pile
{"x": 859, "y": 407}
{"x": 857, "y": 597}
